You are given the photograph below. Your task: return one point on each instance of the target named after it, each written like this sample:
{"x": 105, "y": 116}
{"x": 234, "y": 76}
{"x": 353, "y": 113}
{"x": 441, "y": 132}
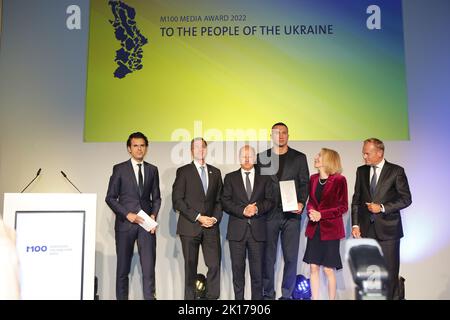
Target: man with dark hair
{"x": 196, "y": 196}
{"x": 137, "y": 135}
{"x": 381, "y": 191}
{"x": 134, "y": 186}
{"x": 283, "y": 163}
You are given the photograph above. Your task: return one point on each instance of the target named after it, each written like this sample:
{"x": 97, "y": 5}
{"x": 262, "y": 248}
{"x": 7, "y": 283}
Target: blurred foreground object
{"x": 9, "y": 266}
{"x": 368, "y": 268}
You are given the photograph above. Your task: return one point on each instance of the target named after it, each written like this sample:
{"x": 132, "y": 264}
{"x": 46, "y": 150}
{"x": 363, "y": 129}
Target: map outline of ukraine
{"x": 129, "y": 56}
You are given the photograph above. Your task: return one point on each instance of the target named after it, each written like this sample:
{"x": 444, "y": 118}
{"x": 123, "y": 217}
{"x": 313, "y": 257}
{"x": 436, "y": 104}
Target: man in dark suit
{"x": 134, "y": 186}
{"x": 247, "y": 197}
{"x": 282, "y": 164}
{"x": 381, "y": 191}
{"x": 196, "y": 196}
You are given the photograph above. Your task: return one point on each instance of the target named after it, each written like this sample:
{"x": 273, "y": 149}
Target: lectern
{"x": 55, "y": 243}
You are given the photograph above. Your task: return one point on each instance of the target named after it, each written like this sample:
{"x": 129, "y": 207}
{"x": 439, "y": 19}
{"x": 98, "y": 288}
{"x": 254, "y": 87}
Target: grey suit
{"x": 392, "y": 190}
{"x": 123, "y": 197}
{"x": 246, "y": 234}
{"x": 189, "y": 199}
{"x": 283, "y": 224}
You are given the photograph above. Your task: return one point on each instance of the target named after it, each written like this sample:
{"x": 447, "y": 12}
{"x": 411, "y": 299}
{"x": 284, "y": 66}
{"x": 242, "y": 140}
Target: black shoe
{"x": 284, "y": 298}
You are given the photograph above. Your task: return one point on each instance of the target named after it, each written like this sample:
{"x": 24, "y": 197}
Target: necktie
{"x": 203, "y": 177}
{"x": 373, "y": 185}
{"x": 248, "y": 185}
{"x": 373, "y": 182}
{"x": 141, "y": 179}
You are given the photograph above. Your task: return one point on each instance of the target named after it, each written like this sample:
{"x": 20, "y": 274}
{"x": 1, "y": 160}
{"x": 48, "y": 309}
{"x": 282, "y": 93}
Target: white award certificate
{"x": 149, "y": 223}
{"x": 288, "y": 195}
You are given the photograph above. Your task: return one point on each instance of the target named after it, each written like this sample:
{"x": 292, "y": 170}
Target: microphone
{"x": 65, "y": 176}
{"x": 37, "y": 175}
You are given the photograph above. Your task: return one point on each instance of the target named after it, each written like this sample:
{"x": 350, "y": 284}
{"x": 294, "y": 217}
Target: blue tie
{"x": 203, "y": 177}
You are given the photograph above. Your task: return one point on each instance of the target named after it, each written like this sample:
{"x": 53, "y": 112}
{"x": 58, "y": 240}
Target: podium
{"x": 55, "y": 240}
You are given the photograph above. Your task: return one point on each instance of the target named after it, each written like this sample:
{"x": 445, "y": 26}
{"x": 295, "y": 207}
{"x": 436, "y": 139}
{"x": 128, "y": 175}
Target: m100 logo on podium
{"x": 36, "y": 248}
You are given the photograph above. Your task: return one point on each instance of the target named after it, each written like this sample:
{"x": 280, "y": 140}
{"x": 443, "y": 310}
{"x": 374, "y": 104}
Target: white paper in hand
{"x": 288, "y": 195}
{"x": 148, "y": 223}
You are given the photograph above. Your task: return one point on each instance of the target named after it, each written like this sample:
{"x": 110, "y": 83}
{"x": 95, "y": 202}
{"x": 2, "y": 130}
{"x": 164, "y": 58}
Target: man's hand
{"x": 134, "y": 218}
{"x": 152, "y": 231}
{"x": 206, "y": 222}
{"x": 300, "y": 209}
{"x": 373, "y": 207}
{"x": 250, "y": 210}
{"x": 356, "y": 232}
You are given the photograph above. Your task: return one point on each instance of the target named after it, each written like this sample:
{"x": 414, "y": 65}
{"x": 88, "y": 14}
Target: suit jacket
{"x": 392, "y": 191}
{"x": 189, "y": 199}
{"x": 123, "y": 193}
{"x": 295, "y": 168}
{"x": 234, "y": 200}
{"x": 333, "y": 204}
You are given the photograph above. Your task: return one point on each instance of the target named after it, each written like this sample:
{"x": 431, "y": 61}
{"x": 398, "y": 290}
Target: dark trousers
{"x": 210, "y": 241}
{"x": 391, "y": 254}
{"x": 146, "y": 243}
{"x": 238, "y": 252}
{"x": 287, "y": 226}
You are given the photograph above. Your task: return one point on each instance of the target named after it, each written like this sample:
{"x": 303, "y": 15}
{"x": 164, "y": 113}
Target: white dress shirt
{"x": 199, "y": 171}
{"x": 136, "y": 170}
{"x": 251, "y": 176}
{"x": 379, "y": 168}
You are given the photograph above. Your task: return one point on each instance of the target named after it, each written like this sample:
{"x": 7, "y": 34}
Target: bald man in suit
{"x": 247, "y": 197}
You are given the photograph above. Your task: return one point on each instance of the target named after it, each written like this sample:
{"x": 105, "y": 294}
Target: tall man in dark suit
{"x": 247, "y": 197}
{"x": 381, "y": 191}
{"x": 134, "y": 186}
{"x": 196, "y": 196}
{"x": 283, "y": 163}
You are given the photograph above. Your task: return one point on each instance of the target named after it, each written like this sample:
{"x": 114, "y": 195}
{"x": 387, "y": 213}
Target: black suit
{"x": 189, "y": 200}
{"x": 123, "y": 197}
{"x": 392, "y": 191}
{"x": 246, "y": 234}
{"x": 285, "y": 224}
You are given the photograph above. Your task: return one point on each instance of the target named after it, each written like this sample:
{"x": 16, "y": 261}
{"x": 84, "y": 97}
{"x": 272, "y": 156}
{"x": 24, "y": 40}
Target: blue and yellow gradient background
{"x": 329, "y": 87}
